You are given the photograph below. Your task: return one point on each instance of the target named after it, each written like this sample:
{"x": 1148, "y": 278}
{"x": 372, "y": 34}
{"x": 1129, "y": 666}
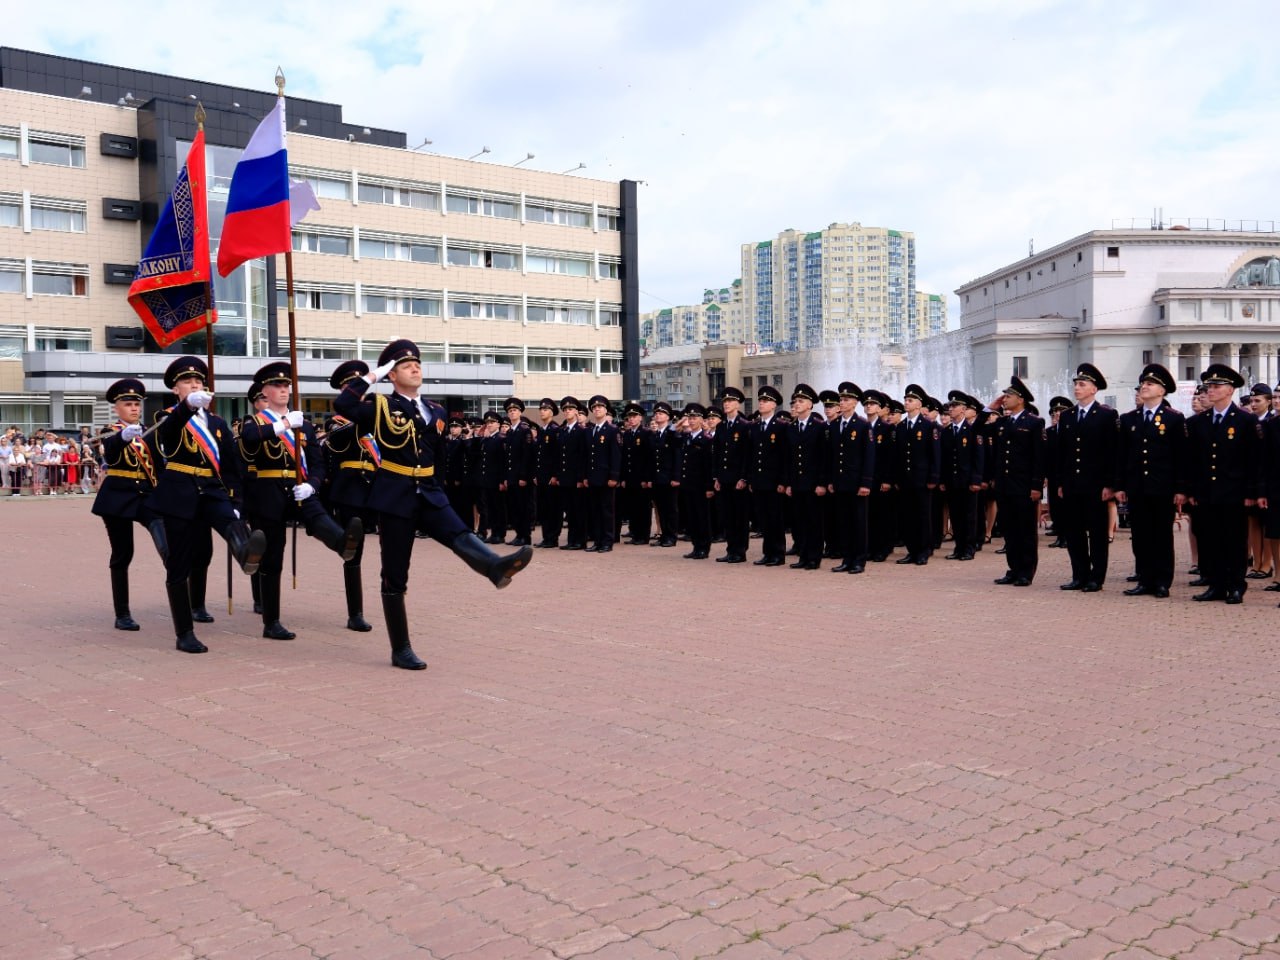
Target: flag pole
{"x": 208, "y": 339}
{"x": 300, "y": 445}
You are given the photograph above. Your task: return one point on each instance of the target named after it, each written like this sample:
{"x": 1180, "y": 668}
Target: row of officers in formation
{"x": 868, "y": 474}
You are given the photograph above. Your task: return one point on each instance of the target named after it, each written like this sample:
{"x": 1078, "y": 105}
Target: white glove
{"x": 291, "y": 419}
{"x": 302, "y": 491}
{"x": 236, "y": 512}
{"x": 199, "y": 400}
{"x": 382, "y": 371}
{"x": 131, "y": 432}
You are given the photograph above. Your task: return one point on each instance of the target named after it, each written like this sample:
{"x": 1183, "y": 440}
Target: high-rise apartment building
{"x": 931, "y": 316}
{"x": 511, "y": 280}
{"x": 719, "y": 318}
{"x": 847, "y": 282}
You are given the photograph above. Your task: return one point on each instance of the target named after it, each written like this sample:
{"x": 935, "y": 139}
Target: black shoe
{"x": 841, "y": 568}
{"x": 737, "y": 558}
{"x": 257, "y": 608}
{"x": 276, "y": 631}
{"x": 591, "y": 548}
{"x": 572, "y": 546}
{"x": 813, "y": 565}
{"x": 1001, "y": 552}
{"x": 1199, "y": 582}
{"x": 1006, "y": 579}
{"x": 1195, "y": 571}
{"x": 127, "y": 623}
{"x": 858, "y": 568}
{"x": 406, "y": 659}
{"x": 605, "y": 548}
{"x": 799, "y": 565}
{"x": 952, "y": 556}
{"x": 903, "y": 560}
{"x": 188, "y": 643}
{"x": 966, "y": 556}
{"x": 201, "y": 615}
{"x": 1072, "y": 585}
{"x": 358, "y": 623}
{"x": 546, "y": 544}
{"x": 727, "y": 558}
{"x": 1091, "y": 587}
{"x": 1140, "y": 591}
{"x": 776, "y": 562}
{"x": 667, "y": 542}
{"x": 921, "y": 561}
{"x": 1258, "y": 575}
{"x": 1213, "y": 593}
{"x": 879, "y": 557}
{"x": 697, "y": 555}
{"x": 1235, "y": 596}
{"x": 1022, "y": 582}
{"x": 1160, "y": 592}
{"x": 518, "y": 542}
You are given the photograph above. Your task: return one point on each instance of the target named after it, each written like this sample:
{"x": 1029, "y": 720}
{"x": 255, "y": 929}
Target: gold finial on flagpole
{"x": 200, "y": 115}
{"x": 279, "y": 82}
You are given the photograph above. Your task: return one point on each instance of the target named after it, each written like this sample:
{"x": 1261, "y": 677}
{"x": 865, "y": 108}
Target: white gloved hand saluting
{"x": 131, "y": 432}
{"x": 199, "y": 399}
{"x": 302, "y": 491}
{"x": 382, "y": 371}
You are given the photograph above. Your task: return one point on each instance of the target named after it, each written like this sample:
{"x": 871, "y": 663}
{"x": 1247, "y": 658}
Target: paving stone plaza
{"x": 635, "y": 756}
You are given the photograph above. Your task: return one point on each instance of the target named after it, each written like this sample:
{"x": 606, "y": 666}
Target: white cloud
{"x": 977, "y": 126}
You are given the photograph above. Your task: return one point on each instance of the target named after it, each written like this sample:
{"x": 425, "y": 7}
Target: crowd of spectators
{"x": 48, "y": 464}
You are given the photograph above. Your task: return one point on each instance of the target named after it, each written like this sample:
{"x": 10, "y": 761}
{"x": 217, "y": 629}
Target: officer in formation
{"x": 198, "y": 490}
{"x": 132, "y": 461}
{"x": 288, "y": 469}
{"x": 406, "y": 493}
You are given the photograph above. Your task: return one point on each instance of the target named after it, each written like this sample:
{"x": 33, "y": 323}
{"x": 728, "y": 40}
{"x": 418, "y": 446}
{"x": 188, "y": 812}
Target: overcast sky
{"x": 977, "y": 126}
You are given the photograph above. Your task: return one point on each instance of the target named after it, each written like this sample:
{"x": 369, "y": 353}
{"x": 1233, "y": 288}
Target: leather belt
{"x": 184, "y": 468}
{"x": 128, "y": 474}
{"x": 408, "y": 471}
{"x": 275, "y": 475}
{"x": 356, "y": 465}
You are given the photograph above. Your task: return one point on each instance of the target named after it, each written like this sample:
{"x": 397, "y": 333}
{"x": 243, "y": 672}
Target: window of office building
{"x": 480, "y": 205}
{"x": 322, "y": 243}
{"x": 396, "y": 196}
{"x": 66, "y": 216}
{"x": 316, "y": 299}
{"x": 556, "y": 313}
{"x": 57, "y": 149}
{"x": 408, "y": 304}
{"x": 11, "y": 277}
{"x": 608, "y": 218}
{"x": 489, "y": 259}
{"x": 482, "y": 310}
{"x": 10, "y": 210}
{"x": 9, "y": 137}
{"x": 610, "y": 316}
{"x": 546, "y": 211}
{"x": 80, "y": 340}
{"x": 327, "y": 187}
{"x": 414, "y": 249}
{"x": 60, "y": 280}
{"x": 561, "y": 264}
{"x": 610, "y": 365}
{"x": 610, "y": 269}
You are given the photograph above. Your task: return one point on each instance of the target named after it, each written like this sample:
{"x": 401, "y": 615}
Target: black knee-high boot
{"x": 196, "y": 584}
{"x": 180, "y": 610}
{"x": 272, "y": 628}
{"x": 402, "y": 654}
{"x": 120, "y": 599}
{"x": 355, "y": 598}
{"x": 499, "y": 569}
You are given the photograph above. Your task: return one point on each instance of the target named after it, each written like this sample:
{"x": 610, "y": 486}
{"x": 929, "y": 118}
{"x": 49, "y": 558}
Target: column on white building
{"x": 1204, "y": 357}
{"x": 1233, "y": 356}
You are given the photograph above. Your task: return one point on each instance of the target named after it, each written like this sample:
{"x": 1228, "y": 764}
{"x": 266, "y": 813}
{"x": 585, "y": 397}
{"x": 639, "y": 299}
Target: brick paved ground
{"x": 636, "y": 756}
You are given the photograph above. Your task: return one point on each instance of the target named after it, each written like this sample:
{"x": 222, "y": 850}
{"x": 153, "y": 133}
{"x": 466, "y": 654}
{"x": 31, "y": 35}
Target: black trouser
{"x": 600, "y": 519}
{"x": 773, "y": 530}
{"x": 463, "y": 502}
{"x": 851, "y": 526}
{"x": 1151, "y": 527}
{"x": 575, "y": 509}
{"x": 915, "y": 505}
{"x": 807, "y": 530}
{"x": 880, "y": 523}
{"x": 639, "y": 511}
{"x": 1222, "y": 531}
{"x": 493, "y": 512}
{"x": 120, "y": 537}
{"x": 962, "y": 503}
{"x": 190, "y": 543}
{"x": 1018, "y": 515}
{"x": 695, "y": 510}
{"x": 550, "y": 512}
{"x": 397, "y": 535}
{"x": 1085, "y": 522}
{"x": 735, "y": 514}
{"x": 937, "y": 521}
{"x": 519, "y": 512}
{"x": 664, "y": 501}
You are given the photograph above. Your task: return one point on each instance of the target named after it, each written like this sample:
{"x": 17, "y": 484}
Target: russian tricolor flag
{"x": 257, "y": 218}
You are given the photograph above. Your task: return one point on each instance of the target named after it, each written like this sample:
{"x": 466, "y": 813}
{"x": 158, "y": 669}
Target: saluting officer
{"x": 350, "y": 463}
{"x": 132, "y": 463}
{"x": 807, "y": 477}
{"x": 852, "y": 459}
{"x": 546, "y": 461}
{"x": 1226, "y": 478}
{"x": 695, "y": 482}
{"x": 519, "y": 479}
{"x": 770, "y": 459}
{"x": 666, "y": 445}
{"x": 963, "y": 463}
{"x": 732, "y": 458}
{"x": 1087, "y": 436}
{"x": 1018, "y": 479}
{"x": 289, "y": 467}
{"x": 919, "y": 450}
{"x": 198, "y": 488}
{"x": 1152, "y": 478}
{"x": 409, "y": 431}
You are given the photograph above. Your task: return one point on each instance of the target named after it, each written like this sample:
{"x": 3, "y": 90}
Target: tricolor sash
{"x": 370, "y": 446}
{"x": 290, "y": 443}
{"x": 206, "y": 441}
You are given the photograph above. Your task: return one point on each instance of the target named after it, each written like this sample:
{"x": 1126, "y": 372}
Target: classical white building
{"x": 1120, "y": 299}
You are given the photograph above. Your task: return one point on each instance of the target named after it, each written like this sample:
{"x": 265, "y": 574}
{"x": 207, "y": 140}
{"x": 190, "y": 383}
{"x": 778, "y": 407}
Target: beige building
{"x": 719, "y": 318}
{"x": 511, "y": 280}
{"x": 931, "y": 316}
{"x": 847, "y": 282}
